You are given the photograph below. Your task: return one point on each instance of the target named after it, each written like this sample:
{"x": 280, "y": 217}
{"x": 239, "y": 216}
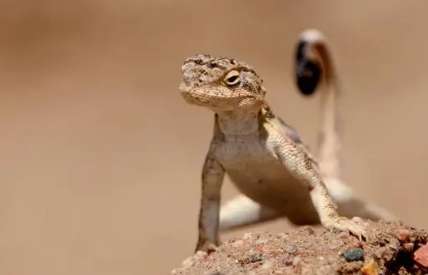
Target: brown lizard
{"x": 263, "y": 156}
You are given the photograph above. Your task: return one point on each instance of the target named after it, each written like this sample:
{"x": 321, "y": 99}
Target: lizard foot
{"x": 356, "y": 226}
{"x": 205, "y": 245}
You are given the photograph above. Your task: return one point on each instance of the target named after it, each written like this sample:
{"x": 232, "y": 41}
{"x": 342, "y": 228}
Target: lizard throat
{"x": 236, "y": 123}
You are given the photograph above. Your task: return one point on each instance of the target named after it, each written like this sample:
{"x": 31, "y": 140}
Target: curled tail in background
{"x": 315, "y": 73}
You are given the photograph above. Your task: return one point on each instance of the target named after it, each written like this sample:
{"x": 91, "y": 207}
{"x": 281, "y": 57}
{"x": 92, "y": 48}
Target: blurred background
{"x": 101, "y": 157}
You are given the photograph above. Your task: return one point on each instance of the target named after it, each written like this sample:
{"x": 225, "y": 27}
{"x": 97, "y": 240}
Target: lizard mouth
{"x": 220, "y": 98}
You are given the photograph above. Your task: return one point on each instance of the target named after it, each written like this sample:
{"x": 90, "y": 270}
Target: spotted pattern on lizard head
{"x": 220, "y": 83}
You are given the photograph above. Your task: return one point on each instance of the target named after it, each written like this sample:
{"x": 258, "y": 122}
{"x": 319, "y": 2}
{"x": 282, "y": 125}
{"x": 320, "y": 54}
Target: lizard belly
{"x": 261, "y": 176}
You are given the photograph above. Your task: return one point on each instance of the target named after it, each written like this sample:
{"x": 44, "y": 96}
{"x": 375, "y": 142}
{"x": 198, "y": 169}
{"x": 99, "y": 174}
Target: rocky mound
{"x": 390, "y": 248}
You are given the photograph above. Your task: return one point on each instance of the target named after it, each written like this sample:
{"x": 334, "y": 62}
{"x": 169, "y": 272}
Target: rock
{"x": 291, "y": 249}
{"x": 403, "y": 235}
{"x": 354, "y": 254}
{"x": 304, "y": 251}
{"x": 421, "y": 255}
{"x": 370, "y": 268}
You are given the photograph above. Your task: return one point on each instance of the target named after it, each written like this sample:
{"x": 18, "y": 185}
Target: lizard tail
{"x": 315, "y": 71}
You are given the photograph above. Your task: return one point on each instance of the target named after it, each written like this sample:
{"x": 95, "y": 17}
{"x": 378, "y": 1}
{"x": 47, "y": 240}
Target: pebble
{"x": 403, "y": 235}
{"x": 421, "y": 255}
{"x": 354, "y": 254}
{"x": 291, "y": 249}
{"x": 370, "y": 268}
{"x": 255, "y": 258}
{"x": 409, "y": 247}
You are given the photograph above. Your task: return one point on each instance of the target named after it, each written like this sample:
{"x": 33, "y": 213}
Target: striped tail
{"x": 315, "y": 71}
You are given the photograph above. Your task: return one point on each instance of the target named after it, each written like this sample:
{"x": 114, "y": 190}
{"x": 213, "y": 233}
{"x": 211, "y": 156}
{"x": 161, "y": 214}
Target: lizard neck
{"x": 234, "y": 123}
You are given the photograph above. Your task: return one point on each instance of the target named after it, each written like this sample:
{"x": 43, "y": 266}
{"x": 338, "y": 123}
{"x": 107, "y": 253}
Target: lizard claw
{"x": 359, "y": 228}
{"x": 356, "y": 226}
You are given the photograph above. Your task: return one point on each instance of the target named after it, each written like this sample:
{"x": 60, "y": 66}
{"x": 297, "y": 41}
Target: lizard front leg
{"x": 299, "y": 163}
{"x": 212, "y": 179}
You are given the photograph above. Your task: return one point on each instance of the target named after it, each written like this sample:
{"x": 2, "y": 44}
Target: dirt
{"x": 388, "y": 249}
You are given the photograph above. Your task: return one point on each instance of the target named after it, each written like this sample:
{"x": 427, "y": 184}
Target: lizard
{"x": 265, "y": 157}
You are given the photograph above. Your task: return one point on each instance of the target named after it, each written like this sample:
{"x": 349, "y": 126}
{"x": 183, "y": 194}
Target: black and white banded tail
{"x": 314, "y": 71}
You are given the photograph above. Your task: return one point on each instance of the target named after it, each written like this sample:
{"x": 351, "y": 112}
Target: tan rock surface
{"x": 314, "y": 251}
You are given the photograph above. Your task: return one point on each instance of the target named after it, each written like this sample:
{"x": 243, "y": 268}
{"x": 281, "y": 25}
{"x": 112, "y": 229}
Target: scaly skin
{"x": 263, "y": 156}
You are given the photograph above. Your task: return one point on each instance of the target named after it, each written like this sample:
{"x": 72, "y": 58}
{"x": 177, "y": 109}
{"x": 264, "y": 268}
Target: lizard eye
{"x": 232, "y": 78}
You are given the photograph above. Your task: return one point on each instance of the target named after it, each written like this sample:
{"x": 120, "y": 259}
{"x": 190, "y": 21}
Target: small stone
{"x": 409, "y": 246}
{"x": 370, "y": 268}
{"x": 421, "y": 255}
{"x": 354, "y": 254}
{"x": 403, "y": 235}
{"x": 253, "y": 258}
{"x": 291, "y": 249}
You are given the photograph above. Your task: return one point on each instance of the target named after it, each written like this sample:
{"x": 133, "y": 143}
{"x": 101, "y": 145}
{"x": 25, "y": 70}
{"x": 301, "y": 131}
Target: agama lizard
{"x": 264, "y": 157}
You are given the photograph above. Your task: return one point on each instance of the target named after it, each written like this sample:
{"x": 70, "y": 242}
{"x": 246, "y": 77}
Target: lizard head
{"x": 221, "y": 84}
